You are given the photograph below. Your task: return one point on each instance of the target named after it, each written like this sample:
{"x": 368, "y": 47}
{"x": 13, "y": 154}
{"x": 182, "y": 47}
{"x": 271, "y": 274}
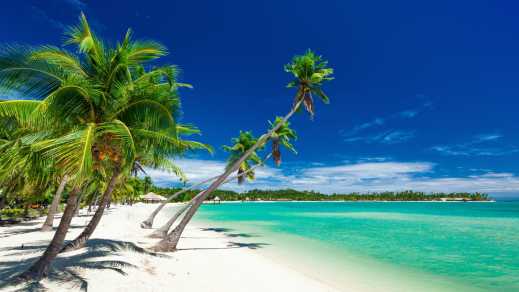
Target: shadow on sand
{"x": 29, "y": 230}
{"x": 231, "y": 245}
{"x": 217, "y": 229}
{"x": 65, "y": 269}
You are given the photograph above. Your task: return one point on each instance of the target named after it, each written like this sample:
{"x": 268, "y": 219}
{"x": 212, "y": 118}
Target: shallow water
{"x": 442, "y": 246}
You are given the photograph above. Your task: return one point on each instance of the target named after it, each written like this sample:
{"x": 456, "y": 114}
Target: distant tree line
{"x": 295, "y": 195}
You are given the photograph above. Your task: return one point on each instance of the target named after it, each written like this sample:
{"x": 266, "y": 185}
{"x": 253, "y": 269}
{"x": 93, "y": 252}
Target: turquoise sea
{"x": 404, "y": 245}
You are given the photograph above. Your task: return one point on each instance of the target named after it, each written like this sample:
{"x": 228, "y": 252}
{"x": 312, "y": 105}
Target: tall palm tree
{"x": 241, "y": 144}
{"x": 310, "y": 72}
{"x": 281, "y": 134}
{"x": 162, "y": 232}
{"x": 104, "y": 110}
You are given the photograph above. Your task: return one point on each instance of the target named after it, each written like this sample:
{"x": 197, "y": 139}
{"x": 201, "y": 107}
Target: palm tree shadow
{"x": 245, "y": 235}
{"x": 217, "y": 229}
{"x": 19, "y": 231}
{"x": 66, "y": 269}
{"x": 231, "y": 245}
{"x": 251, "y": 245}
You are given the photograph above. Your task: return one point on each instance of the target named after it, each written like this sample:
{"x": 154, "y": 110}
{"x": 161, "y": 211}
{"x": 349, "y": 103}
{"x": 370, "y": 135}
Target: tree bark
{"x": 2, "y": 202}
{"x": 171, "y": 241}
{"x": 148, "y": 223}
{"x": 26, "y": 210}
{"x": 40, "y": 268}
{"x": 80, "y": 241}
{"x": 163, "y": 231}
{"x": 47, "y": 225}
{"x": 78, "y": 205}
{"x": 90, "y": 206}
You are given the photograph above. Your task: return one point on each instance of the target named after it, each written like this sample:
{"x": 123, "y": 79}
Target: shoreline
{"x": 340, "y": 268}
{"x": 207, "y": 259}
{"x": 332, "y": 201}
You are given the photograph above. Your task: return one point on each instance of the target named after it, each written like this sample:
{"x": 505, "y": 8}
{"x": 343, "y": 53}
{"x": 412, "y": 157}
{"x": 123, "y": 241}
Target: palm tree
{"x": 147, "y": 184}
{"x": 151, "y": 146}
{"x": 99, "y": 105}
{"x": 240, "y": 145}
{"x": 162, "y": 232}
{"x": 281, "y": 136}
{"x": 310, "y": 72}
{"x": 148, "y": 223}
{"x": 47, "y": 225}
{"x": 243, "y": 148}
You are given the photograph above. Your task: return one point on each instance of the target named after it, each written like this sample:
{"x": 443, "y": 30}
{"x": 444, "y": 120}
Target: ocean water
{"x": 376, "y": 245}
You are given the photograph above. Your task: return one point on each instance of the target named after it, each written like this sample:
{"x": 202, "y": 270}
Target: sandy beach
{"x": 208, "y": 260}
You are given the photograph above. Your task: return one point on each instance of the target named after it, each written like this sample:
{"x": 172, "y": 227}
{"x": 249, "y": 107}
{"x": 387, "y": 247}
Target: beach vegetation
{"x": 99, "y": 112}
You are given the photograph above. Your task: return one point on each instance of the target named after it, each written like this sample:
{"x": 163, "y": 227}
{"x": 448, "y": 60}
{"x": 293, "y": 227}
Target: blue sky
{"x": 425, "y": 95}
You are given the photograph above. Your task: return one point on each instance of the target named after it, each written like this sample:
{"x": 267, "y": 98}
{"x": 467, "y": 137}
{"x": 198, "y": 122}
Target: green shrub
{"x": 12, "y": 213}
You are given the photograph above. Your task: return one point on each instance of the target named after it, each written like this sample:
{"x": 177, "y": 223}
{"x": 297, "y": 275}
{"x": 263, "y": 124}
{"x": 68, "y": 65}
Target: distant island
{"x": 295, "y": 195}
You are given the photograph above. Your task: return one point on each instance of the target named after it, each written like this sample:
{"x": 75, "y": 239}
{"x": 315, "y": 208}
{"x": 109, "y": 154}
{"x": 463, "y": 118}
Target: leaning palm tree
{"x": 162, "y": 232}
{"x": 241, "y": 144}
{"x": 104, "y": 111}
{"x": 185, "y": 130}
{"x": 310, "y": 72}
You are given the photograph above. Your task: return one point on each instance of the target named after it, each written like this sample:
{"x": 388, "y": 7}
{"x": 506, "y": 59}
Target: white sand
{"x": 206, "y": 261}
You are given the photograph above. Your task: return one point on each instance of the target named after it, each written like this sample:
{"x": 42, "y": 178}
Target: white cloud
{"x": 197, "y": 170}
{"x": 359, "y": 128}
{"x": 350, "y": 177}
{"x": 386, "y": 137}
{"x": 358, "y": 132}
{"x": 478, "y": 146}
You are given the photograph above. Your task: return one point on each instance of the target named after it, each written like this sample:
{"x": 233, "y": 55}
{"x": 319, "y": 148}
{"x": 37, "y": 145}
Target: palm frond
{"x": 72, "y": 152}
{"x": 27, "y": 77}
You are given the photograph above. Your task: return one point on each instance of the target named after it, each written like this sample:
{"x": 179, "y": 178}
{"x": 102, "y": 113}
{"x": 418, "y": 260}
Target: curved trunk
{"x": 47, "y": 225}
{"x": 40, "y": 268}
{"x": 163, "y": 231}
{"x": 148, "y": 223}
{"x": 171, "y": 241}
{"x": 80, "y": 241}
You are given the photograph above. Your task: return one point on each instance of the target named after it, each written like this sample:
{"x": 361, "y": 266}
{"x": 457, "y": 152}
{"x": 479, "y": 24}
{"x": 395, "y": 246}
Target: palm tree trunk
{"x": 90, "y": 206}
{"x": 96, "y": 201}
{"x": 163, "y": 231}
{"x": 40, "y": 268}
{"x": 80, "y": 241}
{"x": 148, "y": 223}
{"x": 47, "y": 225}
{"x": 26, "y": 210}
{"x": 2, "y": 201}
{"x": 171, "y": 241}
{"x": 78, "y": 205}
